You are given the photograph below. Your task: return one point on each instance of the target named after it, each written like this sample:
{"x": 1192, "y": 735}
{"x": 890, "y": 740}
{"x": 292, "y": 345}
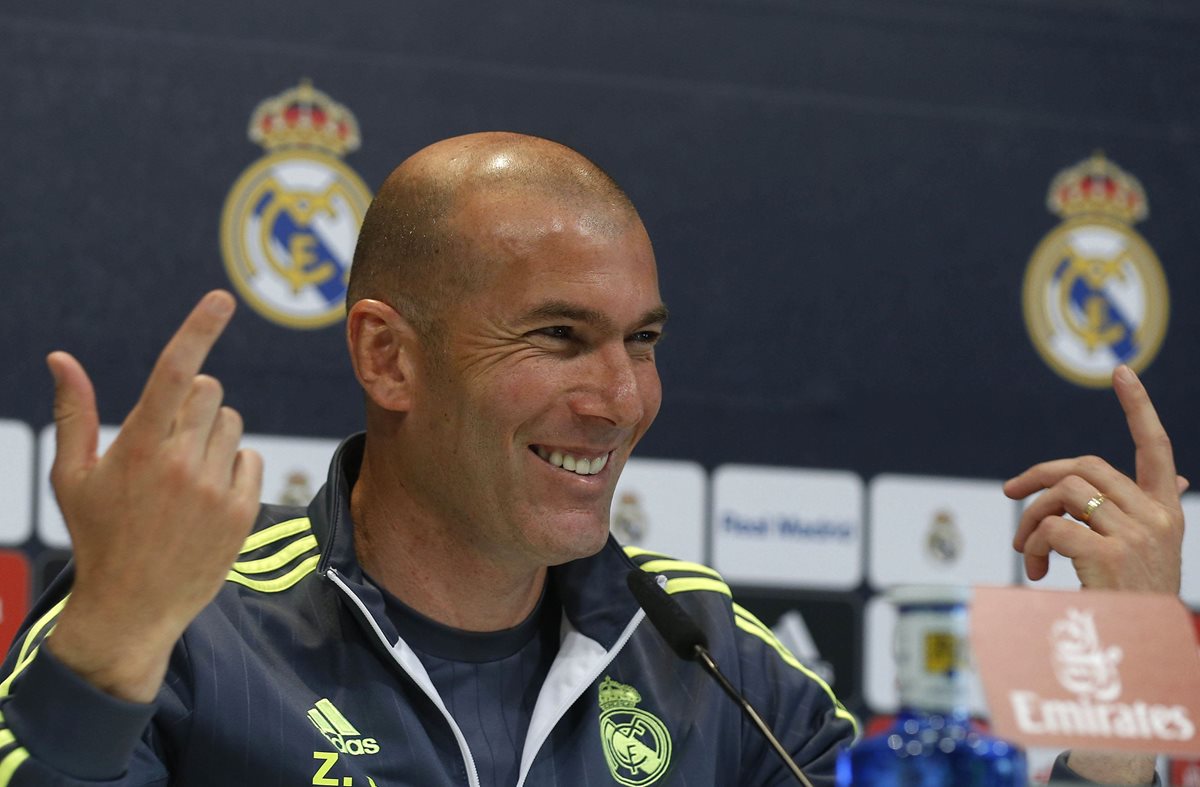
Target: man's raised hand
{"x": 157, "y": 521}
{"x": 1135, "y": 527}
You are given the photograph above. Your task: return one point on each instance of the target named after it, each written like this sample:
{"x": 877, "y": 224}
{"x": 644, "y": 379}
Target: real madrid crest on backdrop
{"x": 1095, "y": 295}
{"x": 291, "y": 220}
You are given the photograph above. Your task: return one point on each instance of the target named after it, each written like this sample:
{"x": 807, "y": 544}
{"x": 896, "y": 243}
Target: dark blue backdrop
{"x": 843, "y": 197}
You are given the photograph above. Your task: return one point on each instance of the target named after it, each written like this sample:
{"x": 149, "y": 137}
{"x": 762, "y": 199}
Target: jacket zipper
{"x": 570, "y": 699}
{"x": 426, "y": 685}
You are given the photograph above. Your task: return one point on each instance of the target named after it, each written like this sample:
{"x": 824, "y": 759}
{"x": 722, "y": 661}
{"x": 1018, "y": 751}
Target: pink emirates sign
{"x": 1088, "y": 670}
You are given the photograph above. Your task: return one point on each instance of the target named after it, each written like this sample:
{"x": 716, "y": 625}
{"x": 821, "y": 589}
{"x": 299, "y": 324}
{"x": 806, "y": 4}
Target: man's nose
{"x": 610, "y": 388}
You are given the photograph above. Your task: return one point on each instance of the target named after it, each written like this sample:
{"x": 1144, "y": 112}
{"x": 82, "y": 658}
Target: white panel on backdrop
{"x": 879, "y": 666}
{"x": 940, "y": 531}
{"x": 51, "y": 529}
{"x": 16, "y": 481}
{"x": 788, "y": 527}
{"x": 1191, "y": 550}
{"x": 659, "y": 505}
{"x": 293, "y": 469}
{"x": 1061, "y": 575}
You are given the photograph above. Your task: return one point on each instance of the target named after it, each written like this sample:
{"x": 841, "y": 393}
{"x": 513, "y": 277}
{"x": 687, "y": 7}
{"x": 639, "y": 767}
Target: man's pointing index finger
{"x": 180, "y": 362}
{"x": 1154, "y": 458}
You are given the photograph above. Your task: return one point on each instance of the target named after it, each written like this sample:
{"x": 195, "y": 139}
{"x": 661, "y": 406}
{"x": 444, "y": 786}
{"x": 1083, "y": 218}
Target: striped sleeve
{"x": 55, "y": 728}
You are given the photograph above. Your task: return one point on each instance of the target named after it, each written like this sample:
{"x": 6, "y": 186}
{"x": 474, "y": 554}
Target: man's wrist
{"x": 93, "y": 741}
{"x": 130, "y": 668}
{"x": 1110, "y": 768}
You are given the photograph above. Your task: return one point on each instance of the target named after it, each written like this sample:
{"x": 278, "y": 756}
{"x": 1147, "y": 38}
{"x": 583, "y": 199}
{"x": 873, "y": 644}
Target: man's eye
{"x": 646, "y": 337}
{"x": 556, "y": 332}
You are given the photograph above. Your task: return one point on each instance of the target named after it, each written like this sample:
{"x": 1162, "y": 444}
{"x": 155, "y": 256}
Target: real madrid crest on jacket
{"x": 291, "y": 220}
{"x": 296, "y": 675}
{"x": 1095, "y": 296}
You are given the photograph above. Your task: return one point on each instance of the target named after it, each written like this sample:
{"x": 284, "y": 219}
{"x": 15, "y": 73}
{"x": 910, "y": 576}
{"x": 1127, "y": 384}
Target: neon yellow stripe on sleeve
{"x": 28, "y": 649}
{"x": 775, "y": 644}
{"x": 785, "y": 654}
{"x": 686, "y": 584}
{"x": 638, "y": 552}
{"x": 275, "y": 533}
{"x": 279, "y": 559}
{"x": 278, "y": 583}
{"x": 42, "y": 622}
{"x": 9, "y": 765}
{"x": 656, "y": 566}
{"x": 6, "y": 686}
{"x": 738, "y": 609}
{"x": 6, "y": 737}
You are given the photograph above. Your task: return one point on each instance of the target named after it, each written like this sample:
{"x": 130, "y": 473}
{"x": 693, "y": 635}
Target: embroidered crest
{"x": 636, "y": 743}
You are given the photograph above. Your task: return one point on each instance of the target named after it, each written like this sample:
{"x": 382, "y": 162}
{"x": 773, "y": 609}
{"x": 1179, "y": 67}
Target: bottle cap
{"x": 929, "y": 595}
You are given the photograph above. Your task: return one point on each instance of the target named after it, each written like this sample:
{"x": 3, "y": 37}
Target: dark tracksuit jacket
{"x": 295, "y": 676}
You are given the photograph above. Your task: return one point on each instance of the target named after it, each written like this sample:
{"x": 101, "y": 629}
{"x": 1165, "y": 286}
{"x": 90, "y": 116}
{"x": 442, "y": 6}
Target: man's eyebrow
{"x": 565, "y": 310}
{"x": 657, "y": 314}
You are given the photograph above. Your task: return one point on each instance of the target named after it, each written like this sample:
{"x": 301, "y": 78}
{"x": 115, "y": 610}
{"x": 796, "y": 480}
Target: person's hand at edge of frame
{"x": 1134, "y": 534}
{"x": 1133, "y": 539}
{"x": 158, "y": 520}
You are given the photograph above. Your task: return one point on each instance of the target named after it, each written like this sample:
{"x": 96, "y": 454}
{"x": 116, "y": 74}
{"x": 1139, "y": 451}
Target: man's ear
{"x": 383, "y": 348}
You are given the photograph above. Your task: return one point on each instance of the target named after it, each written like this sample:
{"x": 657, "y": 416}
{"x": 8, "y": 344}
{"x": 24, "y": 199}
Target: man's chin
{"x": 576, "y": 540}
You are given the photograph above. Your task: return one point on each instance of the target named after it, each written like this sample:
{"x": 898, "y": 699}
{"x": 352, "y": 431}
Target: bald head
{"x": 415, "y": 256}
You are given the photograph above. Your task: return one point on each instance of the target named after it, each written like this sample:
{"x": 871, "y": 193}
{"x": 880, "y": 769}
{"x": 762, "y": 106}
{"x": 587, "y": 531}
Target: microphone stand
{"x": 706, "y": 660}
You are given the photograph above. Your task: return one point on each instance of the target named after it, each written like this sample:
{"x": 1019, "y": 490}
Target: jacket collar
{"x": 592, "y": 590}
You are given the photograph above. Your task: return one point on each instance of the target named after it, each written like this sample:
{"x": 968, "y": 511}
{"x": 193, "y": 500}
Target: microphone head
{"x": 673, "y": 622}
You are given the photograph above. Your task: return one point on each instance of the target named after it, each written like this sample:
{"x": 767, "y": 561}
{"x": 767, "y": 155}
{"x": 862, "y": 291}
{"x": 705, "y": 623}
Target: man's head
{"x": 413, "y": 256}
{"x": 503, "y": 324}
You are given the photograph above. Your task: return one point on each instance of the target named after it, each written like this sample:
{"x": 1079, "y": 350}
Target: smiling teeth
{"x": 575, "y": 464}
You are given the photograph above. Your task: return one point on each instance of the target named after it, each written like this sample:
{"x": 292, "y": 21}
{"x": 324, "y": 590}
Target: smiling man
{"x": 450, "y": 608}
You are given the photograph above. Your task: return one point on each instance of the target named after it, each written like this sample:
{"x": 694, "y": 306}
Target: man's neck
{"x": 432, "y": 568}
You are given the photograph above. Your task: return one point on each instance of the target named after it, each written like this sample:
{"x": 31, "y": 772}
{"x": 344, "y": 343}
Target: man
{"x": 449, "y": 609}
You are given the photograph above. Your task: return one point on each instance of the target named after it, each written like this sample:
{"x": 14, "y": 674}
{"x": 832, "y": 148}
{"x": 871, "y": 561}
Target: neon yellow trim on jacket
{"x": 686, "y": 584}
{"x": 278, "y": 583}
{"x": 279, "y": 559}
{"x": 28, "y": 649}
{"x": 744, "y": 618}
{"x": 751, "y": 625}
{"x": 36, "y": 628}
{"x": 275, "y": 533}
{"x": 638, "y": 552}
{"x": 657, "y": 566}
{"x": 9, "y": 765}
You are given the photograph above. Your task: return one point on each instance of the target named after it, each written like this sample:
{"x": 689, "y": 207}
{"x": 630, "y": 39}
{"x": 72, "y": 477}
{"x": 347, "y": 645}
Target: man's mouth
{"x": 574, "y": 463}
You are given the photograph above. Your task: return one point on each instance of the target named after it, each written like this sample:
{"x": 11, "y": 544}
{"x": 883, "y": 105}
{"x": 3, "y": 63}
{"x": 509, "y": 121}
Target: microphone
{"x": 687, "y": 639}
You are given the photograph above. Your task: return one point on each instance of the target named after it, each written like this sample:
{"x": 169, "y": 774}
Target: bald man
{"x": 450, "y": 609}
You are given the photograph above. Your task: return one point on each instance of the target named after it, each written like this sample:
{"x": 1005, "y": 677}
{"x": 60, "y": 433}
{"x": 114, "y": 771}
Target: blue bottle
{"x": 932, "y": 743}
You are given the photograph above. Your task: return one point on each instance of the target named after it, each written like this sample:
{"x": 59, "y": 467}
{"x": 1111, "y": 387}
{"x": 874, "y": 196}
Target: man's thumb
{"x": 77, "y": 424}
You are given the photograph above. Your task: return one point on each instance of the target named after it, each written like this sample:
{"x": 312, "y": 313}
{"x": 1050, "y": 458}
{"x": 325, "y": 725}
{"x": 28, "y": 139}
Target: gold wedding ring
{"x": 1092, "y": 505}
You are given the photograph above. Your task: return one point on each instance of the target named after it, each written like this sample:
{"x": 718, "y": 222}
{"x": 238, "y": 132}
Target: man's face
{"x": 546, "y": 379}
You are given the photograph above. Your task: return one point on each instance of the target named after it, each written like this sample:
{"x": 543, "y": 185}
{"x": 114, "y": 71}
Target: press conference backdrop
{"x": 903, "y": 243}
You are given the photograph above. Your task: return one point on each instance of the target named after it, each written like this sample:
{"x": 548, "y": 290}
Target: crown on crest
{"x": 1099, "y": 187}
{"x": 303, "y": 116}
{"x": 617, "y": 695}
